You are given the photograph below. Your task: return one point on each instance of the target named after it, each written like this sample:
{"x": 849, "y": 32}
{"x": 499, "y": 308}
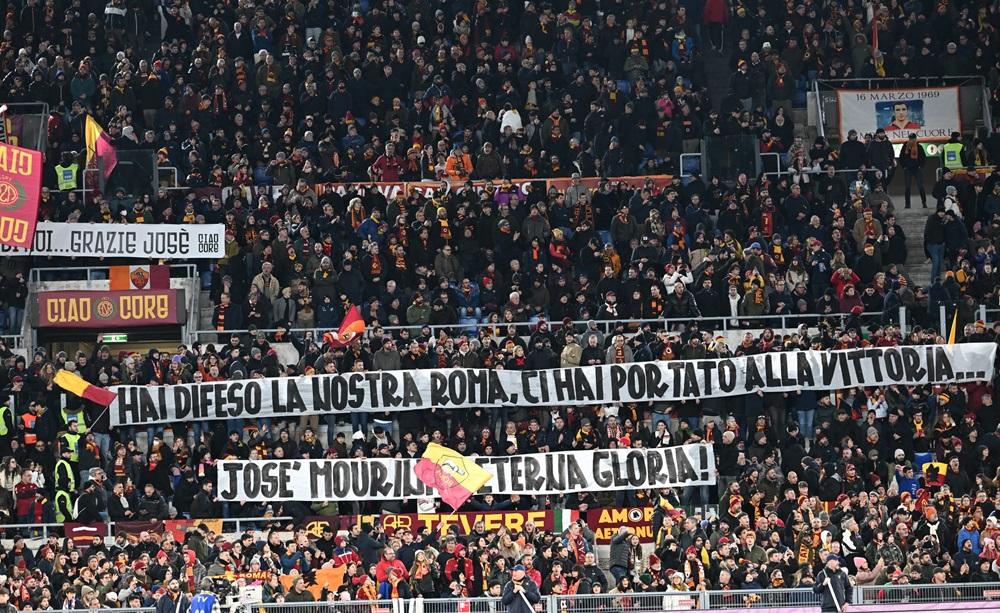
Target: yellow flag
{"x": 454, "y": 476}
{"x": 954, "y": 328}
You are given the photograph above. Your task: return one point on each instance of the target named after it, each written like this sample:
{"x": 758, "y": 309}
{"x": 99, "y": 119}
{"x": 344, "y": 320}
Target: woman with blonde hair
{"x": 422, "y": 577}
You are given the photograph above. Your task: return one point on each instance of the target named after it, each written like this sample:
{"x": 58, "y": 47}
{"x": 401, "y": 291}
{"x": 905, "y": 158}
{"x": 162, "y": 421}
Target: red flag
{"x": 351, "y": 328}
{"x": 873, "y": 11}
{"x": 20, "y": 188}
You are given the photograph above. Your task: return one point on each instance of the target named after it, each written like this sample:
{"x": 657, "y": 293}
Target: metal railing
{"x": 98, "y": 273}
{"x": 776, "y": 597}
{"x": 238, "y": 525}
{"x": 724, "y": 324}
{"x": 972, "y": 594}
{"x": 975, "y": 596}
{"x": 915, "y": 594}
{"x": 33, "y": 136}
{"x": 12, "y": 341}
{"x": 83, "y": 608}
{"x": 820, "y": 114}
{"x": 979, "y": 170}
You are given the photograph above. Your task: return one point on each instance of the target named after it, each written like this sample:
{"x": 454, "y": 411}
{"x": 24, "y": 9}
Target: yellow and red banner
{"x": 454, "y": 476}
{"x": 464, "y": 522}
{"x": 82, "y": 309}
{"x": 20, "y": 186}
{"x": 605, "y": 523}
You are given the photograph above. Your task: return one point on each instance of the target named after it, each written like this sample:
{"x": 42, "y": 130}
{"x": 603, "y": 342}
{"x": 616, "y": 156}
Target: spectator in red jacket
{"x": 459, "y": 565}
{"x": 389, "y": 561}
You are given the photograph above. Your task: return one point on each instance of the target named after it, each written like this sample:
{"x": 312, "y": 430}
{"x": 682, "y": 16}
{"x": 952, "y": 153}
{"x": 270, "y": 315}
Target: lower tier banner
{"x": 527, "y": 475}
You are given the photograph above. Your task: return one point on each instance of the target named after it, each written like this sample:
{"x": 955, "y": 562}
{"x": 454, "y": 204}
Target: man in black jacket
{"x": 205, "y": 504}
{"x": 521, "y": 594}
{"x": 833, "y": 586}
{"x": 89, "y": 507}
{"x": 173, "y": 600}
{"x": 911, "y": 160}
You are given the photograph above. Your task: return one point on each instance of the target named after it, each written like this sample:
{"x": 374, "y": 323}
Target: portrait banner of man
{"x": 931, "y": 113}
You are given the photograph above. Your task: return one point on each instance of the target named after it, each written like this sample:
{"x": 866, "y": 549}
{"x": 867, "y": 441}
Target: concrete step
{"x": 207, "y": 308}
{"x": 717, "y": 74}
{"x": 912, "y": 221}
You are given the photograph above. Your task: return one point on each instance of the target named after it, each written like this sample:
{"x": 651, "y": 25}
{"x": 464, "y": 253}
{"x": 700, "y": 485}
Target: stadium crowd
{"x": 258, "y": 103}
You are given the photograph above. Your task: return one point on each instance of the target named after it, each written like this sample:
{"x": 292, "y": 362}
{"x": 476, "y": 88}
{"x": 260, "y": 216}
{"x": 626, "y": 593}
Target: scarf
{"x": 583, "y": 212}
{"x": 620, "y": 355}
{"x": 694, "y": 572}
{"x": 679, "y": 239}
{"x": 220, "y": 314}
{"x": 368, "y": 592}
{"x": 357, "y": 217}
{"x": 767, "y": 222}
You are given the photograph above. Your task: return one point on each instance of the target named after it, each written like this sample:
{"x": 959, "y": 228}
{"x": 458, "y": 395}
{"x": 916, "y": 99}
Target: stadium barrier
{"x": 110, "y": 529}
{"x": 895, "y": 598}
{"x": 723, "y": 324}
{"x": 779, "y": 323}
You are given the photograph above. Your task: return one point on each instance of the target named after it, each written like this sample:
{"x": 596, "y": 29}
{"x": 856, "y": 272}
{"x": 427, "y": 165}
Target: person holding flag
{"x": 100, "y": 152}
{"x": 520, "y": 595}
{"x": 834, "y": 587}
{"x": 351, "y": 328}
{"x": 455, "y": 477}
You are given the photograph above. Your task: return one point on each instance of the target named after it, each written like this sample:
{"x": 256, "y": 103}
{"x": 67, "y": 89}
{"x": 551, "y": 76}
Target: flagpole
{"x": 444, "y": 519}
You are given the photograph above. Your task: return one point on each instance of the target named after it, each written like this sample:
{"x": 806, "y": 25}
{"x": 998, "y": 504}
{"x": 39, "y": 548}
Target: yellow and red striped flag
{"x": 74, "y": 384}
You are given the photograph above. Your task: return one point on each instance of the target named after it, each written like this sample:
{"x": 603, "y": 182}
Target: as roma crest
{"x": 139, "y": 278}
{"x": 11, "y": 196}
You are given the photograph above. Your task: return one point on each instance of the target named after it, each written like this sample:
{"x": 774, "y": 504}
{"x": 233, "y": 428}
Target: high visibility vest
{"x": 73, "y": 441}
{"x": 66, "y": 176}
{"x": 70, "y": 477}
{"x": 63, "y": 501}
{"x": 4, "y": 412}
{"x": 79, "y": 416}
{"x": 952, "y": 153}
{"x": 28, "y": 421}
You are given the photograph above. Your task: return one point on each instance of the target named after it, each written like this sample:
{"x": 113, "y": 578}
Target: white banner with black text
{"x": 134, "y": 240}
{"x": 561, "y": 472}
{"x": 376, "y": 391}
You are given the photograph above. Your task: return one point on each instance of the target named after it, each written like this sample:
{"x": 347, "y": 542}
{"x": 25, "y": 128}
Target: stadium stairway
{"x": 918, "y": 267}
{"x": 717, "y": 74}
{"x": 912, "y": 220}
{"x": 207, "y": 310}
